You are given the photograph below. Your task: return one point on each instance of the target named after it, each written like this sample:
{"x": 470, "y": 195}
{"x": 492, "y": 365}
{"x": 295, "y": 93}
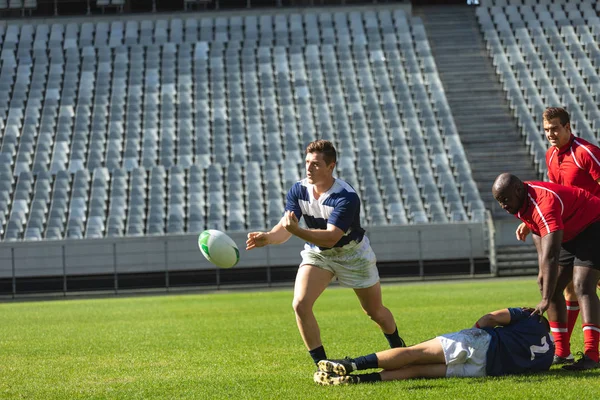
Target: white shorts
{"x": 465, "y": 352}
{"x": 354, "y": 265}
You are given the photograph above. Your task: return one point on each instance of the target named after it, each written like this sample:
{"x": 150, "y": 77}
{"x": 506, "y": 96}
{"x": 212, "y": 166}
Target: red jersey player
{"x": 572, "y": 162}
{"x": 565, "y": 223}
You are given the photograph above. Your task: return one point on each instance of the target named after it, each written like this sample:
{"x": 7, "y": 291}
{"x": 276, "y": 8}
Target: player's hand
{"x": 528, "y": 309}
{"x": 541, "y": 308}
{"x": 257, "y": 239}
{"x": 522, "y": 232}
{"x": 290, "y": 222}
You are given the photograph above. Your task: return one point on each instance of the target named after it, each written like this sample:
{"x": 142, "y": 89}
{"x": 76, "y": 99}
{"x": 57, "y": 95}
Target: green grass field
{"x": 246, "y": 345}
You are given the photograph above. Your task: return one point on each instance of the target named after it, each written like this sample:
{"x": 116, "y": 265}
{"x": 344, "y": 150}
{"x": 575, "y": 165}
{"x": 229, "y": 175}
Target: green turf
{"x": 246, "y": 345}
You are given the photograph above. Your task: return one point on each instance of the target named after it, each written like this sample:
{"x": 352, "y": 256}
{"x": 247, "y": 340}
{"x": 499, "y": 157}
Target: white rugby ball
{"x": 218, "y": 248}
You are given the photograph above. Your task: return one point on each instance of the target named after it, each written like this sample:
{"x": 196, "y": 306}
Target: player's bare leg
{"x": 426, "y": 353}
{"x": 558, "y": 318}
{"x": 585, "y": 281}
{"x": 409, "y": 372}
{"x": 371, "y": 302}
{"x": 310, "y": 283}
{"x": 415, "y": 371}
{"x": 424, "y": 360}
{"x": 429, "y": 352}
{"x": 569, "y": 292}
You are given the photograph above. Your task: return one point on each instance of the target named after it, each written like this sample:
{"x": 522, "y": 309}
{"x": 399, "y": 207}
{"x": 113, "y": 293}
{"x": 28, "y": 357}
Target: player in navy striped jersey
{"x": 508, "y": 341}
{"x": 336, "y": 246}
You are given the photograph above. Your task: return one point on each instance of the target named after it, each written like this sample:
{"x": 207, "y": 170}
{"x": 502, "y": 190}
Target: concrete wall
{"x": 505, "y": 233}
{"x": 180, "y": 252}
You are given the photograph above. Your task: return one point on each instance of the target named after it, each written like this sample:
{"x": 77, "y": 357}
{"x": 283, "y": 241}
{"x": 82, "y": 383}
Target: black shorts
{"x": 583, "y": 250}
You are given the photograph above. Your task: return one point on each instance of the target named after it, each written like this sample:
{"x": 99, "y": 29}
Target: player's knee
{"x": 377, "y": 314}
{"x": 301, "y": 306}
{"x": 577, "y": 289}
{"x": 582, "y": 288}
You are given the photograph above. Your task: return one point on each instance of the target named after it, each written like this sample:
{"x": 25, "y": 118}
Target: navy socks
{"x": 367, "y": 378}
{"x": 366, "y": 362}
{"x": 318, "y": 354}
{"x": 394, "y": 339}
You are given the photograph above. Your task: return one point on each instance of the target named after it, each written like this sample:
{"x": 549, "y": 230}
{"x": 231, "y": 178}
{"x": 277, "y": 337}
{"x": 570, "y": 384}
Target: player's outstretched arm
{"x": 494, "y": 318}
{"x": 277, "y": 235}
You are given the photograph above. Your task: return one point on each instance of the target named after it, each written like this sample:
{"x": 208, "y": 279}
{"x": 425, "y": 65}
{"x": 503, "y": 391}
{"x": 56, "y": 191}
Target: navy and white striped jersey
{"x": 339, "y": 206}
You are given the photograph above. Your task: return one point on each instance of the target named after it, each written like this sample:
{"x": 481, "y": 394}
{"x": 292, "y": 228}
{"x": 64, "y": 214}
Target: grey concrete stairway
{"x": 487, "y": 129}
{"x": 517, "y": 260}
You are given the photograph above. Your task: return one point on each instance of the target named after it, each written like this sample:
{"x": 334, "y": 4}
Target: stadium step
{"x": 485, "y": 152}
{"x": 477, "y": 101}
{"x": 516, "y": 260}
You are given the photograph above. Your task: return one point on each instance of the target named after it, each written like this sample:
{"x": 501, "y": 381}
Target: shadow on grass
{"x": 423, "y": 386}
{"x": 560, "y": 372}
{"x": 438, "y": 383}
{"x": 538, "y": 376}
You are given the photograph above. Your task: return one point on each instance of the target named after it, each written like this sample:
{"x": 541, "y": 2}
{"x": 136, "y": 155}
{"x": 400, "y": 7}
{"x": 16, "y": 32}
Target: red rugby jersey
{"x": 576, "y": 164}
{"x": 550, "y": 207}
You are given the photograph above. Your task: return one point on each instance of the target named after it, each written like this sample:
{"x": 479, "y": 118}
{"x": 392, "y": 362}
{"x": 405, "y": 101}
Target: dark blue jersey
{"x": 339, "y": 206}
{"x": 525, "y": 345}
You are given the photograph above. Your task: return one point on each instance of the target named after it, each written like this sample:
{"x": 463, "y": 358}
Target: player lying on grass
{"x": 508, "y": 341}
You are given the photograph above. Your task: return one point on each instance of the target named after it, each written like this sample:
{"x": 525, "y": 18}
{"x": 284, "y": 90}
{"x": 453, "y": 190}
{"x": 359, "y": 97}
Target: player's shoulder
{"x": 342, "y": 187}
{"x": 547, "y": 191}
{"x": 544, "y": 186}
{"x": 341, "y": 184}
{"x": 343, "y": 191}
{"x": 584, "y": 148}
{"x": 539, "y": 185}
{"x": 579, "y": 141}
{"x": 300, "y": 188}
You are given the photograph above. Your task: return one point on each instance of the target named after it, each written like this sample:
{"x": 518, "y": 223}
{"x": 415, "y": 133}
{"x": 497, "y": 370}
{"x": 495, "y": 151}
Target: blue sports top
{"x": 339, "y": 206}
{"x": 525, "y": 345}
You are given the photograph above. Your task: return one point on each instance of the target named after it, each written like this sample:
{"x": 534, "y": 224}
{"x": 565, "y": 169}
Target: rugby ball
{"x": 218, "y": 248}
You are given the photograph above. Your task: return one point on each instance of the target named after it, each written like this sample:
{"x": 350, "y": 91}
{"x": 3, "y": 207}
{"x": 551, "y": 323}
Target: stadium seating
{"x": 546, "y": 55}
{"x": 156, "y": 127}
{"x": 18, "y": 5}
{"x": 111, "y": 3}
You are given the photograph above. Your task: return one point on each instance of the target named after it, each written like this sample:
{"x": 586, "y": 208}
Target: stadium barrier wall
{"x": 114, "y": 257}
{"x": 505, "y": 233}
